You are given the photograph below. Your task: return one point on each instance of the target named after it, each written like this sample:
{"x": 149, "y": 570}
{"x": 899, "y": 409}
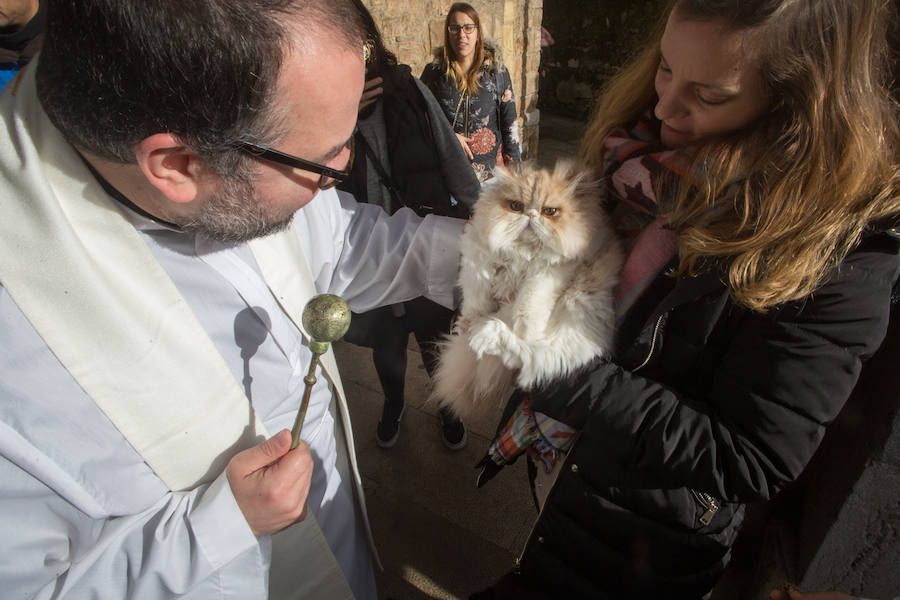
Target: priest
{"x": 167, "y": 210}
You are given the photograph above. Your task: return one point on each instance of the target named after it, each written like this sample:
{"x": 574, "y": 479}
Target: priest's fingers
{"x": 270, "y": 483}
{"x": 264, "y": 454}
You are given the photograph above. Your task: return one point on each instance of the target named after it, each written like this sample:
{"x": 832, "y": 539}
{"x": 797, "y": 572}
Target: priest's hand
{"x": 270, "y": 483}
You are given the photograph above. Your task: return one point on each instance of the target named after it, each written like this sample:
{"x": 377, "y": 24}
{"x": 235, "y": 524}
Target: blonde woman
{"x": 475, "y": 92}
{"x": 749, "y": 156}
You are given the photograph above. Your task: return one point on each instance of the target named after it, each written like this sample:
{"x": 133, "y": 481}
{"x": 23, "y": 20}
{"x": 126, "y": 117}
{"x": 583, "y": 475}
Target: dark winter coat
{"x": 708, "y": 407}
{"x": 407, "y": 155}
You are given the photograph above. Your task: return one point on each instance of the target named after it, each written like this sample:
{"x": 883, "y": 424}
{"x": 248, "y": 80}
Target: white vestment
{"x": 85, "y": 507}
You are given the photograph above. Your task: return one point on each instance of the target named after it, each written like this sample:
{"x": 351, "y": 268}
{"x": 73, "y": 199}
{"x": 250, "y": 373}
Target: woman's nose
{"x": 669, "y": 104}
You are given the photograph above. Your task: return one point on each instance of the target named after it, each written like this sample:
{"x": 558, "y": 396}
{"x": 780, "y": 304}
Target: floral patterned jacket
{"x": 488, "y": 117}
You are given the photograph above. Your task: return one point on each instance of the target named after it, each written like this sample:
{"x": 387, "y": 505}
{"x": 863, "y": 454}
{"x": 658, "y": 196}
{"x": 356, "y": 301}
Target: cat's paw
{"x": 464, "y": 323}
{"x": 511, "y": 360}
{"x": 485, "y": 336}
{"x": 492, "y": 336}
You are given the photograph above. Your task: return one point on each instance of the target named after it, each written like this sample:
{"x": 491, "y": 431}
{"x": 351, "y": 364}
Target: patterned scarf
{"x": 540, "y": 436}
{"x": 633, "y": 159}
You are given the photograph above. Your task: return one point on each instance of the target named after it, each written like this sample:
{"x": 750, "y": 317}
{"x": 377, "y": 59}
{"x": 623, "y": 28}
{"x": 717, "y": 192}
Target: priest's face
{"x": 316, "y": 103}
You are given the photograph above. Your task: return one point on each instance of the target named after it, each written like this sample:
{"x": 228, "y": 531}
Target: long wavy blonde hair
{"x": 468, "y": 81}
{"x": 785, "y": 200}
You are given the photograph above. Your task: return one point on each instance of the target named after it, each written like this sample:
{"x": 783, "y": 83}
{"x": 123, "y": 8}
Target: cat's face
{"x": 537, "y": 213}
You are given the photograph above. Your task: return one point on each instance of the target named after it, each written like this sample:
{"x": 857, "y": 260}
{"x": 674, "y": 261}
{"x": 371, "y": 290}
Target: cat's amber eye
{"x": 549, "y": 211}
{"x": 516, "y": 206}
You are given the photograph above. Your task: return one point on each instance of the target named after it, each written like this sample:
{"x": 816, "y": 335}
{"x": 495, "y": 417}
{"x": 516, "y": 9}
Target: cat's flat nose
{"x": 531, "y": 213}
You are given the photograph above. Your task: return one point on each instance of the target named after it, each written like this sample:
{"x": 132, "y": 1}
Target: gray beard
{"x": 234, "y": 215}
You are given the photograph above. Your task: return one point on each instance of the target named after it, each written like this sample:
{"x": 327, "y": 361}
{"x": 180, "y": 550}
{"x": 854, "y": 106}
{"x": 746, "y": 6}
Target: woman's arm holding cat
{"x": 794, "y": 368}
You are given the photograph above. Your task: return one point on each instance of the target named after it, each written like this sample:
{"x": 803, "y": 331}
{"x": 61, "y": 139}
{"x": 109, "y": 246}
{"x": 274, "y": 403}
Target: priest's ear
{"x": 177, "y": 171}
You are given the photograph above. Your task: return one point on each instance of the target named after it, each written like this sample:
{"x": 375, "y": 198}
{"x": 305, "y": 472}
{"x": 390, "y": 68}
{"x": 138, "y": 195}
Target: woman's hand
{"x": 464, "y": 142}
{"x": 371, "y": 91}
{"x": 795, "y": 595}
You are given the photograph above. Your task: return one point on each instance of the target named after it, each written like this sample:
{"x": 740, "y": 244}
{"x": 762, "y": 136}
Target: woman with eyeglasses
{"x": 475, "y": 92}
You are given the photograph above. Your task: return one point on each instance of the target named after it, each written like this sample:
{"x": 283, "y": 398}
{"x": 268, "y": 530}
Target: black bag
{"x": 416, "y": 175}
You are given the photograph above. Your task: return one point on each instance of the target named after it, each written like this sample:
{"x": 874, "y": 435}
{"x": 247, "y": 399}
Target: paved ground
{"x": 438, "y": 535}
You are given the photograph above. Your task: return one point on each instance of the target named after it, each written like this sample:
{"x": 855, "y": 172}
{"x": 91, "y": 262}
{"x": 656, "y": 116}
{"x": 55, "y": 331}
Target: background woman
{"x": 749, "y": 156}
{"x": 475, "y": 91}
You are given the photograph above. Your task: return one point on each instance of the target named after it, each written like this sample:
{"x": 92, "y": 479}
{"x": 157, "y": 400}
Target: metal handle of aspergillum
{"x": 326, "y": 318}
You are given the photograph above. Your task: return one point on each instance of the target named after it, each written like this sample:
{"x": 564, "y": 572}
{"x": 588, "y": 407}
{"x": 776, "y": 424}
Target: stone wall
{"x": 414, "y": 28}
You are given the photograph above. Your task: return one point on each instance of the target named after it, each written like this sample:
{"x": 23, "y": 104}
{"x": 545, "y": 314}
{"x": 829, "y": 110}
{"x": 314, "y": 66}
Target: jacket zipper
{"x": 656, "y": 329}
{"x": 709, "y": 503}
{"x": 574, "y": 469}
{"x": 530, "y": 533}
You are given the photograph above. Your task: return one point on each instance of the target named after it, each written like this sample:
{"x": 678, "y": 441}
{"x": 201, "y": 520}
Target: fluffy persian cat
{"x": 540, "y": 262}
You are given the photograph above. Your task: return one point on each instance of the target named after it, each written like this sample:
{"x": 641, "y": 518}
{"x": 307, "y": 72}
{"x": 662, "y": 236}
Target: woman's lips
{"x": 672, "y": 131}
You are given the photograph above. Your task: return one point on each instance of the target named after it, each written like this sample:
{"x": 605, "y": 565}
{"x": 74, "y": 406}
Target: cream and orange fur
{"x": 540, "y": 262}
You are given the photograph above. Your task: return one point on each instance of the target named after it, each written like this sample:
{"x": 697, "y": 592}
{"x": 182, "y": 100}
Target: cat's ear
{"x": 505, "y": 173}
{"x": 570, "y": 169}
{"x": 577, "y": 177}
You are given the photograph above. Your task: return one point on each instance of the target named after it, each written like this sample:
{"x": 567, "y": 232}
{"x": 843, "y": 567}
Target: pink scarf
{"x": 633, "y": 159}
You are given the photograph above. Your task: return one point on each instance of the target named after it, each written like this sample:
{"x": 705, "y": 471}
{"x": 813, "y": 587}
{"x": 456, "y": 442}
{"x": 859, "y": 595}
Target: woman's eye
{"x": 516, "y": 206}
{"x": 709, "y": 102}
{"x": 549, "y": 211}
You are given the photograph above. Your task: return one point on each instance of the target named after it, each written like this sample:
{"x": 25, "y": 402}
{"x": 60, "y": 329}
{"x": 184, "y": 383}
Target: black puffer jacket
{"x": 710, "y": 403}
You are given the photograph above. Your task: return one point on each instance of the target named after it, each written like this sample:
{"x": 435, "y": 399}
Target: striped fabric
{"x": 543, "y": 438}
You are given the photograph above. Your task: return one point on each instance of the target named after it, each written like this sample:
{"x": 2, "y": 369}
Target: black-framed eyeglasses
{"x": 328, "y": 177}
{"x": 468, "y": 28}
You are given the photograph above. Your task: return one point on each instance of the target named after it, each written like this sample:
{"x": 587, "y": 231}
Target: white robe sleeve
{"x": 376, "y": 259}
